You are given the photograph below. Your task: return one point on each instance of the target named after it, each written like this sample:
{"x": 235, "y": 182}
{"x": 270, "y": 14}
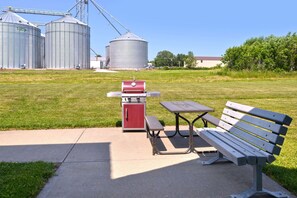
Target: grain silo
{"x": 67, "y": 44}
{"x": 20, "y": 42}
{"x": 128, "y": 52}
{"x": 107, "y": 56}
{"x": 42, "y": 49}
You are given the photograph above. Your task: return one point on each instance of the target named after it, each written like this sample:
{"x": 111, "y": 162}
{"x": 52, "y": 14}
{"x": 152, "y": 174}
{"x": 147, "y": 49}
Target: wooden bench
{"x": 247, "y": 135}
{"x": 154, "y": 127}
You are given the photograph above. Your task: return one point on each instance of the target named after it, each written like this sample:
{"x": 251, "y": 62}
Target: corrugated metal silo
{"x": 128, "y": 52}
{"x": 19, "y": 42}
{"x": 107, "y": 55}
{"x": 42, "y": 49}
{"x": 67, "y": 44}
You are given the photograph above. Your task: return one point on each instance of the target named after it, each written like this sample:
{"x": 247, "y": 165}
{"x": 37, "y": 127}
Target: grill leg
{"x": 257, "y": 188}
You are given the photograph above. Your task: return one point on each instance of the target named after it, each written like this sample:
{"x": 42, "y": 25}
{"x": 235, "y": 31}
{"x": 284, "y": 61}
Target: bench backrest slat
{"x": 273, "y": 116}
{"x": 260, "y": 143}
{"x": 252, "y": 129}
{"x": 276, "y": 128}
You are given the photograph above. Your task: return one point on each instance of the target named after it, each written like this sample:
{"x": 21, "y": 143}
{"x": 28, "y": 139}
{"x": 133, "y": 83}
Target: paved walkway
{"x": 104, "y": 162}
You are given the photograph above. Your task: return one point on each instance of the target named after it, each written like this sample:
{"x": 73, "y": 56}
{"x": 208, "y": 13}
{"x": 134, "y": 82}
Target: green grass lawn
{"x": 44, "y": 99}
{"x": 24, "y": 179}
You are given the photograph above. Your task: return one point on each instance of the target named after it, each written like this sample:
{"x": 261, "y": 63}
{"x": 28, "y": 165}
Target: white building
{"x": 208, "y": 61}
{"x": 97, "y": 62}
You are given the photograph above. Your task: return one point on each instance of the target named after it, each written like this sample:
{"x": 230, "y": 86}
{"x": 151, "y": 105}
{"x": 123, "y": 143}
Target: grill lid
{"x": 133, "y": 86}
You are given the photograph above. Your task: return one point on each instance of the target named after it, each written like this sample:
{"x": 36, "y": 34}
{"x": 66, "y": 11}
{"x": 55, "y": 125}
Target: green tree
{"x": 190, "y": 60}
{"x": 180, "y": 60}
{"x": 164, "y": 58}
{"x": 264, "y": 53}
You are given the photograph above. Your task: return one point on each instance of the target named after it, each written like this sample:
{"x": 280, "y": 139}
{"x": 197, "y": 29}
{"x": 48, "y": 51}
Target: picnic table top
{"x": 185, "y": 107}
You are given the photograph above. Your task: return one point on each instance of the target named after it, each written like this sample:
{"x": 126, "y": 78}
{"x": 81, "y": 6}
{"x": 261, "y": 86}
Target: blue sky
{"x": 206, "y": 28}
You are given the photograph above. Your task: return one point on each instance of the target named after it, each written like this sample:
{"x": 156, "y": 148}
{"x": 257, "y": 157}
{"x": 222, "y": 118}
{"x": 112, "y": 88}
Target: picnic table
{"x": 183, "y": 107}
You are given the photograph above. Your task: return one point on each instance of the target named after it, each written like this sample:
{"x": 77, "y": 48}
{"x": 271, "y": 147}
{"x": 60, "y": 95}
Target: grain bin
{"x": 107, "y": 56}
{"x": 67, "y": 44}
{"x": 128, "y": 52}
{"x": 20, "y": 42}
{"x": 42, "y": 49}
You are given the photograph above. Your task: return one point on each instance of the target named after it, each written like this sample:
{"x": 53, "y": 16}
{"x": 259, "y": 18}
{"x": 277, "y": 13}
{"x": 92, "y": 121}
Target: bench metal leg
{"x": 154, "y": 146}
{"x": 152, "y": 135}
{"x": 219, "y": 157}
{"x": 257, "y": 188}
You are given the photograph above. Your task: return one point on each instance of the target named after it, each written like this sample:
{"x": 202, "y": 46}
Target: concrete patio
{"x": 105, "y": 162}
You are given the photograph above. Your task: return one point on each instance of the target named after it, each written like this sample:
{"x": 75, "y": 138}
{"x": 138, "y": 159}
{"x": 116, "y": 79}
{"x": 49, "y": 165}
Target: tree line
{"x": 166, "y": 58}
{"x": 264, "y": 53}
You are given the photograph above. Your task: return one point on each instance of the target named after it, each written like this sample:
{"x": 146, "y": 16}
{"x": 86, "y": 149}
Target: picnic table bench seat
{"x": 154, "y": 127}
{"x": 246, "y": 135}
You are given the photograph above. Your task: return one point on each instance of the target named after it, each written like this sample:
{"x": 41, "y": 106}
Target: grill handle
{"x": 126, "y": 113}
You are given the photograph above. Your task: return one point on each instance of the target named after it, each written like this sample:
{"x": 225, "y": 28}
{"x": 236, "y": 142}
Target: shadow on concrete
{"x": 88, "y": 170}
{"x": 178, "y": 141}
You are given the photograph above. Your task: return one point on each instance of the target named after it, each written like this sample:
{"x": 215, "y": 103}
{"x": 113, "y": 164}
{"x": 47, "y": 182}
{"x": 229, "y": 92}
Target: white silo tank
{"x": 20, "y": 42}
{"x": 128, "y": 52}
{"x": 67, "y": 44}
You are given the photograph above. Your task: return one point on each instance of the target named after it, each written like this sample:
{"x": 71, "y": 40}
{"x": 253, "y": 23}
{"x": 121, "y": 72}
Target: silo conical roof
{"x": 10, "y": 17}
{"x": 129, "y": 36}
{"x": 69, "y": 19}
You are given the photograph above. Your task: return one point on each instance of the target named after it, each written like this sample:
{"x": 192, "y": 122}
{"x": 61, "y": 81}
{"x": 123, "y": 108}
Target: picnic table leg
{"x": 177, "y": 131}
{"x": 177, "y": 123}
{"x": 153, "y": 135}
{"x": 177, "y": 116}
{"x": 176, "y": 127}
{"x": 154, "y": 145}
{"x": 191, "y": 131}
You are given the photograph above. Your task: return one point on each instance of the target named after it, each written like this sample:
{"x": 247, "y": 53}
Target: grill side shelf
{"x": 114, "y": 94}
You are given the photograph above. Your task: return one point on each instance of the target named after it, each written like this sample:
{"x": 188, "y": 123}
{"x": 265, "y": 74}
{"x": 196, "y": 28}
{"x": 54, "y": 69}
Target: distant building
{"x": 208, "y": 61}
{"x": 97, "y": 62}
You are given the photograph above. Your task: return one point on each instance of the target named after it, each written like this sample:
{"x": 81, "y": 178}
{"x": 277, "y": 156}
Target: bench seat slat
{"x": 269, "y": 147}
{"x": 211, "y": 119}
{"x": 253, "y": 155}
{"x": 276, "y": 128}
{"x": 258, "y": 152}
{"x": 153, "y": 123}
{"x": 231, "y": 153}
{"x": 255, "y": 130}
{"x": 243, "y": 144}
{"x": 273, "y": 116}
{"x": 261, "y": 156}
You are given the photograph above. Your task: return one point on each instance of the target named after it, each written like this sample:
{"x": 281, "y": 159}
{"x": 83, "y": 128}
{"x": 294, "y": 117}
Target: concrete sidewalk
{"x": 104, "y": 162}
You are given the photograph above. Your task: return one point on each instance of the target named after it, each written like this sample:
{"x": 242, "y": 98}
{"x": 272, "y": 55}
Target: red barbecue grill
{"x": 133, "y": 104}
